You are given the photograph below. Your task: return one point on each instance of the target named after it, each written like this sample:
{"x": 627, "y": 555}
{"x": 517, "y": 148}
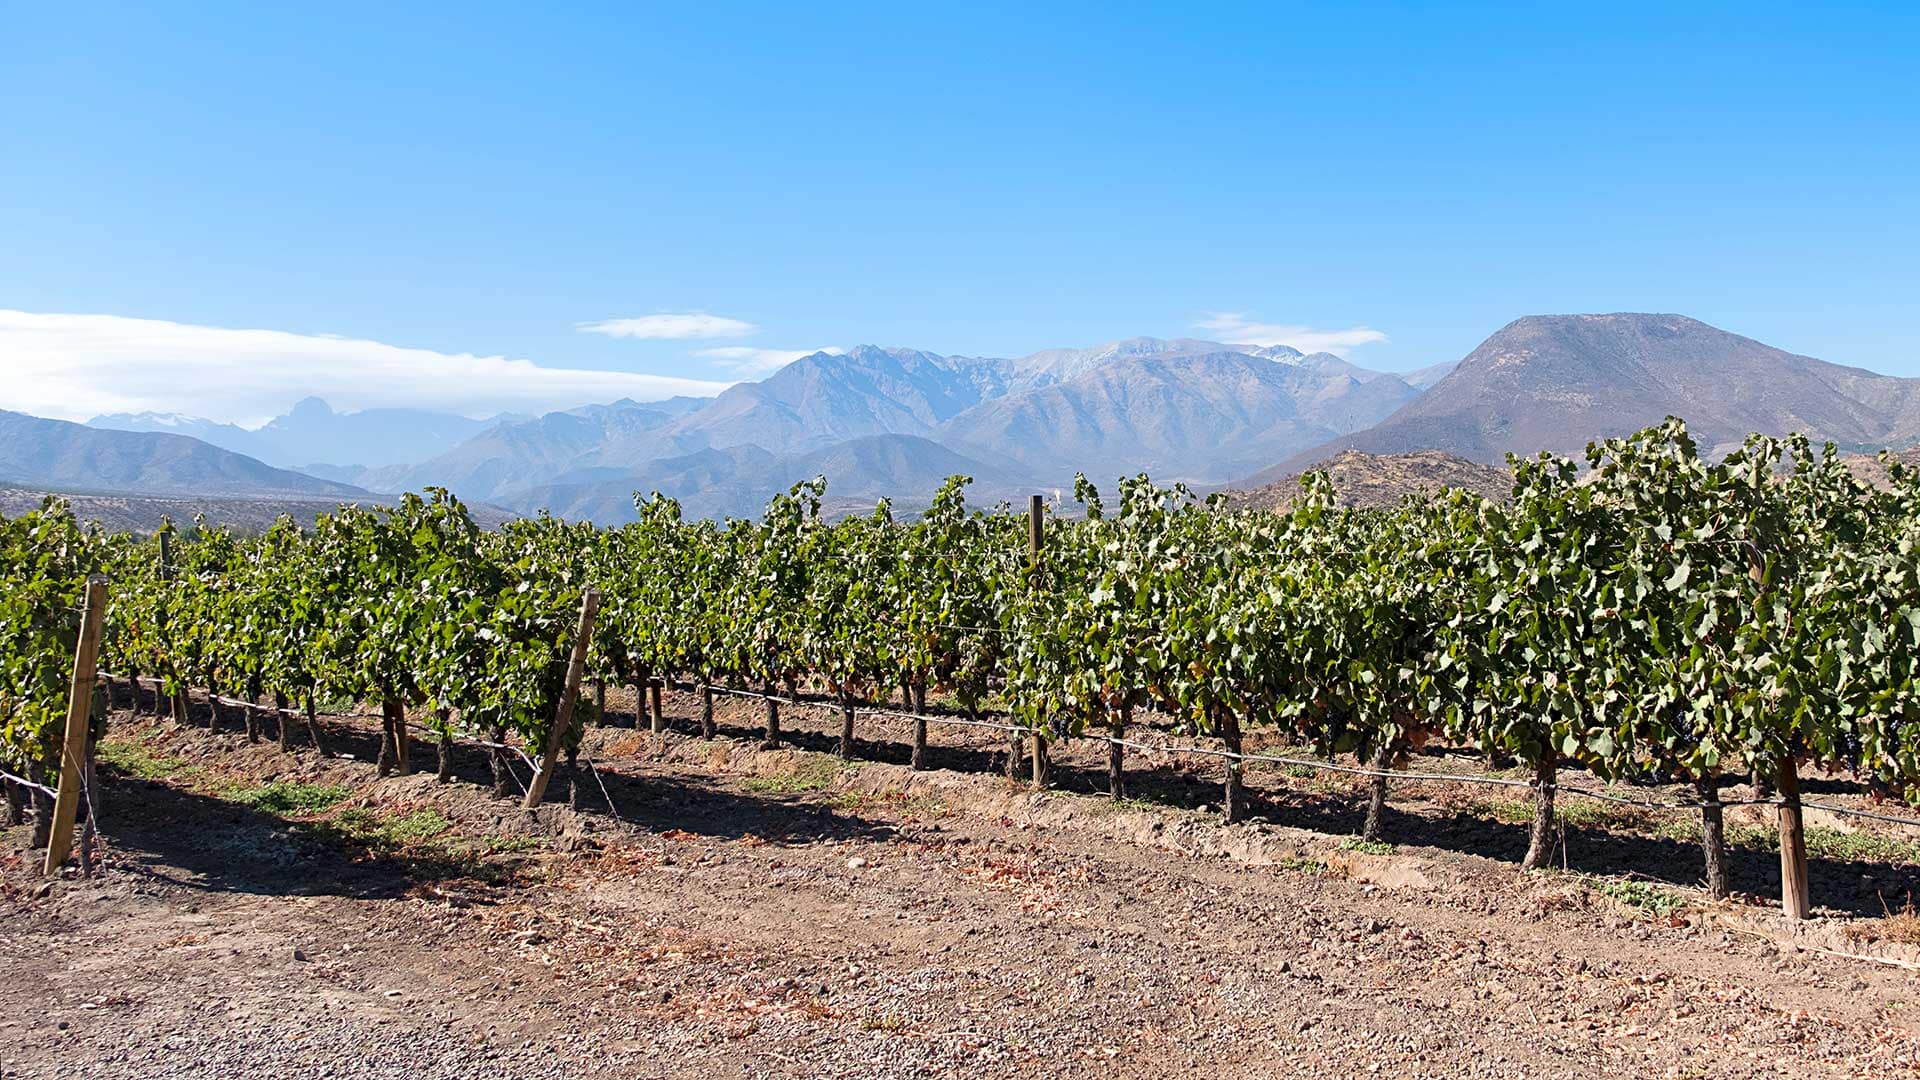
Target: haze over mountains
{"x": 896, "y": 421}
{"x": 61, "y": 456}
{"x": 312, "y": 433}
{"x": 892, "y": 421}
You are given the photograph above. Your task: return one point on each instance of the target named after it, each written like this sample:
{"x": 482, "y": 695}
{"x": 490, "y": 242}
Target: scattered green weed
{"x": 501, "y": 844}
{"x": 1366, "y": 847}
{"x": 815, "y": 772}
{"x": 1120, "y": 806}
{"x": 1505, "y": 811}
{"x": 1651, "y": 899}
{"x": 285, "y": 797}
{"x": 138, "y": 760}
{"x": 387, "y": 834}
{"x": 1825, "y": 842}
{"x": 891, "y": 800}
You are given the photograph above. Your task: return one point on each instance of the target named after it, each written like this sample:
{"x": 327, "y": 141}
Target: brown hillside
{"x": 1382, "y": 480}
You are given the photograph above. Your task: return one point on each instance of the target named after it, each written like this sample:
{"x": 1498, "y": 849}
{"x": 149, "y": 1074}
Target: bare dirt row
{"x": 752, "y": 912}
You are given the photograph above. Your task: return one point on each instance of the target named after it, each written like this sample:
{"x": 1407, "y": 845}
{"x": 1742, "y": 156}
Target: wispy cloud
{"x": 78, "y": 366}
{"x": 746, "y": 361}
{"x": 671, "y": 327}
{"x": 1235, "y": 328}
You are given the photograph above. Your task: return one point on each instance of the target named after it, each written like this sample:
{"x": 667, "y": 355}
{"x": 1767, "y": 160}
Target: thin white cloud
{"x": 743, "y": 360}
{"x": 671, "y": 327}
{"x": 74, "y": 367}
{"x": 1235, "y": 328}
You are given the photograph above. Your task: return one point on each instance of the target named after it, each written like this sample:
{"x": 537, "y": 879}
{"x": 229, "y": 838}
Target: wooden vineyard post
{"x": 1036, "y": 539}
{"x": 73, "y": 753}
{"x": 707, "y": 728}
{"x": 563, "y": 719}
{"x": 1796, "y": 900}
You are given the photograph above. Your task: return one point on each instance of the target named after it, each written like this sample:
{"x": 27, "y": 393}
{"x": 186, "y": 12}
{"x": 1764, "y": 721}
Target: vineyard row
{"x": 1659, "y": 616}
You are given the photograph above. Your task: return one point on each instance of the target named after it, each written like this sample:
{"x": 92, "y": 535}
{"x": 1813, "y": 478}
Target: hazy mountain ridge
{"x": 1181, "y": 409}
{"x": 1201, "y": 415}
{"x": 738, "y": 481}
{"x": 60, "y": 456}
{"x": 312, "y": 433}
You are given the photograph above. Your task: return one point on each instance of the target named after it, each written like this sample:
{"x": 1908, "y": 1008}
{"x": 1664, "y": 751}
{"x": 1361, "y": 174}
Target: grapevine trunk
{"x": 1542, "y": 835}
{"x": 1377, "y": 793}
{"x": 919, "y": 759}
{"x": 1713, "y": 836}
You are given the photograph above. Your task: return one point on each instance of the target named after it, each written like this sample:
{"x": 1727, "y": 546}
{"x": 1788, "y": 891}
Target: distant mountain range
{"x": 312, "y": 433}
{"x": 894, "y": 422}
{"x": 60, "y": 456}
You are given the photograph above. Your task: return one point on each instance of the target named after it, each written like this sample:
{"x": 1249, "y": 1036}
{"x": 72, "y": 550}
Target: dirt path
{"x": 771, "y": 913}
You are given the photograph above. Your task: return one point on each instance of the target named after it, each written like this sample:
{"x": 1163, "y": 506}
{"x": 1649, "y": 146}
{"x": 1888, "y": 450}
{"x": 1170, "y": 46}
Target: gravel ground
{"x": 755, "y": 913}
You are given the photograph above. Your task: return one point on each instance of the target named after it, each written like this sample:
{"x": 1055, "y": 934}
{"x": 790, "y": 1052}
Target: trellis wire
{"x": 26, "y": 783}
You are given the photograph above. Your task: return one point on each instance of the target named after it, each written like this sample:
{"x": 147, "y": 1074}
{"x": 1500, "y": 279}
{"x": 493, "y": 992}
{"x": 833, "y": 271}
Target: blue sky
{"x": 486, "y": 179}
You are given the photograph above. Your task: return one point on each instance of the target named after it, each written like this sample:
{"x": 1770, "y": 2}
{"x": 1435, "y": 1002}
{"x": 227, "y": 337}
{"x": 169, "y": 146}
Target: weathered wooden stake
{"x": 73, "y": 755}
{"x": 707, "y": 727}
{"x": 402, "y": 745}
{"x": 102, "y": 707}
{"x": 1795, "y": 899}
{"x": 563, "y": 720}
{"x": 1118, "y": 720}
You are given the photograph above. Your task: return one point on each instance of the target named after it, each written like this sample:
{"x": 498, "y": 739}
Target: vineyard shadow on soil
{"x": 184, "y": 829}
